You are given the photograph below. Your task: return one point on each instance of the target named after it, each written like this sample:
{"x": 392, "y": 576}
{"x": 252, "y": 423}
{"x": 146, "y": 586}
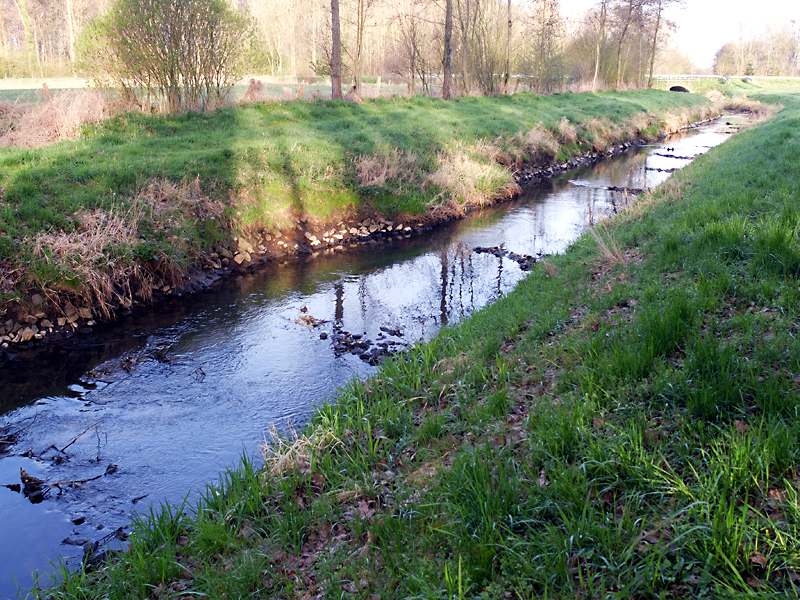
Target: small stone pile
{"x": 35, "y": 326}
{"x": 532, "y": 172}
{"x": 525, "y": 261}
{"x": 303, "y": 239}
{"x": 345, "y": 342}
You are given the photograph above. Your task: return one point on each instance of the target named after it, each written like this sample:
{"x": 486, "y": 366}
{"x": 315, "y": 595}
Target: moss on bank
{"x": 623, "y": 424}
{"x": 140, "y": 201}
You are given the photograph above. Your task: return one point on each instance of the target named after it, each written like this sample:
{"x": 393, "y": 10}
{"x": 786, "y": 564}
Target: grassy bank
{"x": 137, "y": 201}
{"x": 624, "y": 424}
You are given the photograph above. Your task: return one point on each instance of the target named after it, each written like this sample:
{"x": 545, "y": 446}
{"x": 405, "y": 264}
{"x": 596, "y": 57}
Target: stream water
{"x": 172, "y": 395}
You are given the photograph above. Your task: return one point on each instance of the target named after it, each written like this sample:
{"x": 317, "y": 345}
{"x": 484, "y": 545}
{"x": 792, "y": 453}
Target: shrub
{"x": 185, "y": 54}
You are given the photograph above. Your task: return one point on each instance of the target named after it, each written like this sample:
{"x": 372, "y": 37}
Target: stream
{"x": 155, "y": 406}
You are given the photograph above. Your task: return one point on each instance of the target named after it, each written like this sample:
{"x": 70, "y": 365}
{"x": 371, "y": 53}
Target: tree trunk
{"x": 448, "y": 49}
{"x": 628, "y": 19}
{"x": 70, "y": 32}
{"x": 601, "y": 37}
{"x": 336, "y": 52}
{"x": 507, "y": 77}
{"x": 655, "y": 40}
{"x": 361, "y": 23}
{"x": 26, "y": 28}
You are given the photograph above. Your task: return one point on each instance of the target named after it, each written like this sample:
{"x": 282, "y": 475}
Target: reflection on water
{"x": 178, "y": 392}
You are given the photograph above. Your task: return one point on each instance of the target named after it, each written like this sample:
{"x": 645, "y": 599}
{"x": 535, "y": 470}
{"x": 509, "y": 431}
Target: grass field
{"x": 168, "y": 188}
{"x": 623, "y": 425}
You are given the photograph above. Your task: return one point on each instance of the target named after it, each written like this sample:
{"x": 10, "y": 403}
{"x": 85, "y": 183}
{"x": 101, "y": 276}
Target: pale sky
{"x": 705, "y": 25}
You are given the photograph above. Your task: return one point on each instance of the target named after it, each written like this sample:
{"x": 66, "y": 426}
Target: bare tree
{"x": 336, "y": 52}
{"x": 507, "y": 77}
{"x": 28, "y": 31}
{"x": 362, "y": 8}
{"x": 627, "y": 12}
{"x": 448, "y": 49}
{"x": 601, "y": 38}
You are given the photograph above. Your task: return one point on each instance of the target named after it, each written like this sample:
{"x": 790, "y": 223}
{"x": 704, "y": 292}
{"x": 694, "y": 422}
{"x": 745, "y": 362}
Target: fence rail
{"x": 697, "y": 77}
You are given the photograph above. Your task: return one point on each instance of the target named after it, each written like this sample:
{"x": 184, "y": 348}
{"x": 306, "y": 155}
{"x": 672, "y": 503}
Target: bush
{"x": 182, "y": 54}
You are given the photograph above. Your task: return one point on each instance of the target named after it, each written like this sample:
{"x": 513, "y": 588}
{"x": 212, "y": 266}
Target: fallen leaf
{"x": 317, "y": 482}
{"x": 741, "y": 426}
{"x": 758, "y": 559}
{"x": 542, "y": 481}
{"x": 777, "y": 495}
{"x": 651, "y": 436}
{"x": 366, "y": 508}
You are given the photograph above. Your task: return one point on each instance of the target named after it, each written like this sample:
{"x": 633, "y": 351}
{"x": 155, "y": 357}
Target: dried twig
{"x": 73, "y": 482}
{"x": 80, "y": 434}
{"x": 8, "y": 436}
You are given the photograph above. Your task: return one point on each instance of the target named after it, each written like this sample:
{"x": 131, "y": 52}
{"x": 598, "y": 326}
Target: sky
{"x": 705, "y": 25}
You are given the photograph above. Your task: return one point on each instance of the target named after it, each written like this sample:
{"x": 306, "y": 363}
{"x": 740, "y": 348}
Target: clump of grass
{"x": 567, "y": 132}
{"x": 637, "y": 126}
{"x": 601, "y": 132}
{"x": 494, "y": 152}
{"x": 466, "y": 182}
{"x": 283, "y": 454}
{"x": 60, "y": 119}
{"x": 97, "y": 257}
{"x": 610, "y": 253}
{"x": 390, "y": 166}
{"x": 539, "y": 143}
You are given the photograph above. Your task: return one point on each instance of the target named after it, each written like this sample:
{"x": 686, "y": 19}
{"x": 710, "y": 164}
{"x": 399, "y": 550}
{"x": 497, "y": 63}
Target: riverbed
{"x": 154, "y": 407}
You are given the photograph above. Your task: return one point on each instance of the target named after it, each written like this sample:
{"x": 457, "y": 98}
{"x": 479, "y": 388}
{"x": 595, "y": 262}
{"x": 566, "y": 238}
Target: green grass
{"x": 260, "y": 167}
{"x": 608, "y": 429}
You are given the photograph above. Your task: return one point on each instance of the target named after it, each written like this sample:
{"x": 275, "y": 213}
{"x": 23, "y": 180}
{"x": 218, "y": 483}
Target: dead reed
{"x": 59, "y": 119}
{"x": 390, "y": 165}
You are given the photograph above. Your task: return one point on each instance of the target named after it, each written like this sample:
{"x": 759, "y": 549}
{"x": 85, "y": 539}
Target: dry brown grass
{"x": 539, "y": 143}
{"x": 9, "y": 114}
{"x": 567, "y": 132}
{"x": 610, "y": 253}
{"x": 95, "y": 253}
{"x": 466, "y": 182}
{"x": 96, "y": 259}
{"x": 761, "y": 112}
{"x": 602, "y": 132}
{"x": 293, "y": 453}
{"x": 494, "y": 152}
{"x": 61, "y": 119}
{"x": 634, "y": 126}
{"x": 393, "y": 164}
{"x": 675, "y": 121}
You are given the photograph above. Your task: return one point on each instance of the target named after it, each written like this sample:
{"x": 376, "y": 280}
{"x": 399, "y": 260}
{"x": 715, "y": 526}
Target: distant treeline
{"x": 616, "y": 44}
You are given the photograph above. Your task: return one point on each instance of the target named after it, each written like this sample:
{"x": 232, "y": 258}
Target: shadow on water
{"x": 160, "y": 402}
